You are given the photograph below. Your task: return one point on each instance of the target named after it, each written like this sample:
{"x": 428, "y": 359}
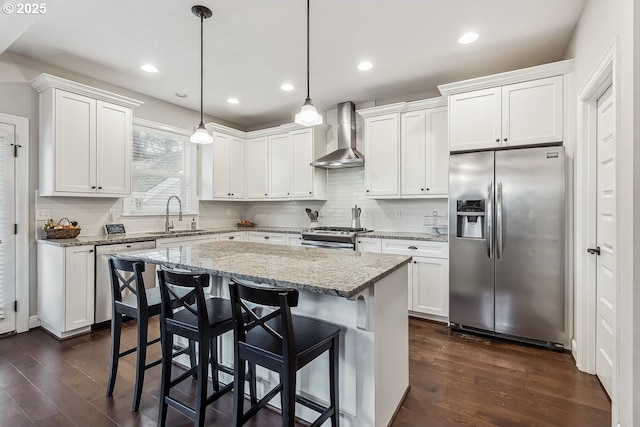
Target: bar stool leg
{"x": 252, "y": 383}
{"x": 238, "y": 391}
{"x": 167, "y": 352}
{"x": 116, "y": 330}
{"x": 141, "y": 360}
{"x": 214, "y": 364}
{"x": 201, "y": 388}
{"x": 334, "y": 380}
{"x": 288, "y": 395}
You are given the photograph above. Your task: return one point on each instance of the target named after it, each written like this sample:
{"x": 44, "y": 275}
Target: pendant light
{"x": 308, "y": 115}
{"x": 201, "y": 135}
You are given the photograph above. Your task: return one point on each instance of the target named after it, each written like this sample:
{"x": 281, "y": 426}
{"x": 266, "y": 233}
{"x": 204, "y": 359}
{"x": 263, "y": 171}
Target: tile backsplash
{"x": 345, "y": 190}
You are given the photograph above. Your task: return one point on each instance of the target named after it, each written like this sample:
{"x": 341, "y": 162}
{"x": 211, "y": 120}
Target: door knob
{"x": 595, "y": 250}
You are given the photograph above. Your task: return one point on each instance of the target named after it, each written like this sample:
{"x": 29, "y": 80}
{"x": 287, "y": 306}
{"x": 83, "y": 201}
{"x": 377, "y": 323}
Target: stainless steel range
{"x": 332, "y": 237}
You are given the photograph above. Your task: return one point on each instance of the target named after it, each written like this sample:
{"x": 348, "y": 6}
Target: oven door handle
{"x": 332, "y": 245}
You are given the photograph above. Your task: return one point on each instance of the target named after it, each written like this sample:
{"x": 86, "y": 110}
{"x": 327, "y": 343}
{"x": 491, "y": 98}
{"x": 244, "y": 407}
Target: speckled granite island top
{"x": 325, "y": 271}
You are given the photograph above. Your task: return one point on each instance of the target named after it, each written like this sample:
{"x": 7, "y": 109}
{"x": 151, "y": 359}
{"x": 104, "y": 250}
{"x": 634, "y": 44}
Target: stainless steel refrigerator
{"x": 507, "y": 243}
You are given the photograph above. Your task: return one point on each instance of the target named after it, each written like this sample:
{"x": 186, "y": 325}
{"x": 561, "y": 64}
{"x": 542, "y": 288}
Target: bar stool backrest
{"x": 276, "y": 322}
{"x": 126, "y": 277}
{"x": 182, "y": 296}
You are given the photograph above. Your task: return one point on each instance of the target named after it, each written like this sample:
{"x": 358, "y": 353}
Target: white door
{"x": 382, "y": 153}
{"x": 475, "y": 120}
{"x": 257, "y": 168}
{"x": 279, "y": 149}
{"x": 113, "y": 149}
{"x": 438, "y": 151}
{"x": 7, "y": 221}
{"x": 221, "y": 147}
{"x": 606, "y": 240}
{"x": 413, "y": 146}
{"x": 236, "y": 165}
{"x": 301, "y": 178}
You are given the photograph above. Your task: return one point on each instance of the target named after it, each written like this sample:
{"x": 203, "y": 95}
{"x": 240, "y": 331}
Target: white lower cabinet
{"x": 429, "y": 291}
{"x": 369, "y": 244}
{"x": 66, "y": 288}
{"x": 238, "y": 236}
{"x": 294, "y": 239}
{"x": 268, "y": 238}
{"x": 428, "y": 275}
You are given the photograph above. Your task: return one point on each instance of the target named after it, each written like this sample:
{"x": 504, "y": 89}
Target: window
{"x": 163, "y": 164}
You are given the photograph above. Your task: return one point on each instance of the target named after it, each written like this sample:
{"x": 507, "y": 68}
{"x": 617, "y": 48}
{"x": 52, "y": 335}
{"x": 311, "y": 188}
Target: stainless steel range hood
{"x": 346, "y": 156}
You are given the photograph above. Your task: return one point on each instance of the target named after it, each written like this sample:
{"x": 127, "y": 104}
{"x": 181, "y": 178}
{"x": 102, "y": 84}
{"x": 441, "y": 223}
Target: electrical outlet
{"x": 43, "y": 214}
{"x": 398, "y": 213}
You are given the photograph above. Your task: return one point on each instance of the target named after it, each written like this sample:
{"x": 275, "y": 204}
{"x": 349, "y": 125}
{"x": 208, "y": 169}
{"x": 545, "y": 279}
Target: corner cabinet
{"x": 222, "y": 166}
{"x": 66, "y": 288}
{"x": 85, "y": 139}
{"x": 518, "y": 108}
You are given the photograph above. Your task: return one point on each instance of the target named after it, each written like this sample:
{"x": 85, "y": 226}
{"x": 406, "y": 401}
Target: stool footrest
{"x": 261, "y": 403}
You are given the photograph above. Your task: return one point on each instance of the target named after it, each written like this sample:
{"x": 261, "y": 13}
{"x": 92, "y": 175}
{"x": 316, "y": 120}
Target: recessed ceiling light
{"x": 181, "y": 95}
{"x": 287, "y": 87}
{"x": 468, "y": 38}
{"x": 365, "y": 66}
{"x": 149, "y": 68}
{"x": 233, "y": 101}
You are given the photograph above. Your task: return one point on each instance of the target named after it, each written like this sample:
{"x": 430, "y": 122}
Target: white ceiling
{"x": 253, "y": 46}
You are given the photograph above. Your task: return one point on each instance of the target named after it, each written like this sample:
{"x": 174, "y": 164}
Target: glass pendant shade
{"x": 201, "y": 135}
{"x": 308, "y": 115}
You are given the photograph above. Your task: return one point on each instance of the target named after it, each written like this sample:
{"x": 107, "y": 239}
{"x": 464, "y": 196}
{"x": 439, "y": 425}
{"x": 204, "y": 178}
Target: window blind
{"x": 163, "y": 165}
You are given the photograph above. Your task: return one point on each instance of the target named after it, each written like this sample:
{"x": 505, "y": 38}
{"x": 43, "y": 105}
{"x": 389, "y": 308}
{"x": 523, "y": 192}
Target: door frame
{"x": 22, "y": 218}
{"x": 605, "y": 74}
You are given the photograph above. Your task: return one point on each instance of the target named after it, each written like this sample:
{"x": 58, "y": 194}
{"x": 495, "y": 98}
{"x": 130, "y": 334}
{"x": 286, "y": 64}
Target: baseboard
{"x": 34, "y": 321}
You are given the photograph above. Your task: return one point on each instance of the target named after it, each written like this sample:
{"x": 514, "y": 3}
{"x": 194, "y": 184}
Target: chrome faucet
{"x": 167, "y": 226}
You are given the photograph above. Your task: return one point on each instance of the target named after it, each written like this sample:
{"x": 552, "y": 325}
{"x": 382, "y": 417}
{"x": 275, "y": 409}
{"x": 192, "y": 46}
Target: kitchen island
{"x": 364, "y": 293}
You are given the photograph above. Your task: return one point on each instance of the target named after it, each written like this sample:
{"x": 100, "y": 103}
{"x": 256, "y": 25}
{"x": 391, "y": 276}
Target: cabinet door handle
{"x": 505, "y": 140}
{"x": 266, "y": 237}
{"x": 93, "y": 187}
{"x": 497, "y": 139}
{"x": 412, "y": 247}
{"x": 231, "y": 237}
{"x": 90, "y": 250}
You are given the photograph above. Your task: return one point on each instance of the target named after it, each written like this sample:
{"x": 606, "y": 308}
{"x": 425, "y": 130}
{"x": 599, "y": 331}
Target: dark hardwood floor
{"x": 456, "y": 380}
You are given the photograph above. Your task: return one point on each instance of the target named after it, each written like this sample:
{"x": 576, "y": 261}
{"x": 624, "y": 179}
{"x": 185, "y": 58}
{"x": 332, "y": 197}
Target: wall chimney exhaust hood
{"x": 346, "y": 156}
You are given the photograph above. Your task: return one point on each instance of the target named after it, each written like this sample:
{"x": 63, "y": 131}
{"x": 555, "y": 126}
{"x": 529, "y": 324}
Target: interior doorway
{"x": 14, "y": 223}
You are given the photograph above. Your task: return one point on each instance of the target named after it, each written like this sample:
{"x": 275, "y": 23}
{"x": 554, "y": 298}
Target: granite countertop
{"x": 154, "y": 235}
{"x": 340, "y": 273}
{"x": 404, "y": 235}
{"x": 146, "y": 236}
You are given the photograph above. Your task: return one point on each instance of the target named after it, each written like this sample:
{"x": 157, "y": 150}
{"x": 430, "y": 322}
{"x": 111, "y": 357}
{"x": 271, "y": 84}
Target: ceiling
{"x": 253, "y": 46}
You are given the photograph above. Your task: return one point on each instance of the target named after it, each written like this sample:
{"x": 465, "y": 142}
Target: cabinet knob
{"x": 505, "y": 140}
{"x": 228, "y": 194}
{"x": 231, "y": 237}
{"x": 266, "y": 237}
{"x": 287, "y": 194}
{"x": 497, "y": 139}
{"x": 415, "y": 262}
{"x": 90, "y": 250}
{"x": 309, "y": 192}
{"x": 93, "y": 187}
{"x": 265, "y": 194}
{"x": 100, "y": 188}
{"x": 422, "y": 189}
{"x": 427, "y": 188}
{"x": 367, "y": 191}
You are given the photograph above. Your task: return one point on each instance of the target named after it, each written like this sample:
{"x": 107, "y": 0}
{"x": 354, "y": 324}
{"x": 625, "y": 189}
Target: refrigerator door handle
{"x": 499, "y": 219}
{"x": 489, "y": 221}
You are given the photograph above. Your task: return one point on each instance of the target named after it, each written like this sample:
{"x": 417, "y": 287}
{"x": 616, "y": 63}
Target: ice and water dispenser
{"x": 470, "y": 215}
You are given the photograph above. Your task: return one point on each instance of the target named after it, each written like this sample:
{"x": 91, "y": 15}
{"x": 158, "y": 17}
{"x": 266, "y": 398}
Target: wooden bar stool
{"x": 130, "y": 298}
{"x": 188, "y": 313}
{"x": 281, "y": 342}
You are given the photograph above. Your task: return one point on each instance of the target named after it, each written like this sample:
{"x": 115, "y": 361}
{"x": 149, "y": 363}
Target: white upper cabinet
{"x": 85, "y": 139}
{"x": 307, "y": 182}
{"x": 532, "y": 112}
{"x": 279, "y": 166}
{"x": 222, "y": 168}
{"x": 476, "y": 120}
{"x": 382, "y": 147}
{"x": 406, "y": 150}
{"x": 424, "y": 162}
{"x": 257, "y": 157}
{"x": 517, "y": 108}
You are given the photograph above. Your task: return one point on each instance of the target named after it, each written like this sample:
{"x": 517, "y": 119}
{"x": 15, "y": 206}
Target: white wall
{"x": 601, "y": 22}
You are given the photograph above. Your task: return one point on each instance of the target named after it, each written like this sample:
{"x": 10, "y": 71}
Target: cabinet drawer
{"x": 416, "y": 248}
{"x": 269, "y": 238}
{"x": 238, "y": 236}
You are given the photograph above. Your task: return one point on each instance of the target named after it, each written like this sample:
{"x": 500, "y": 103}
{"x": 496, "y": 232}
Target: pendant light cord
{"x": 201, "y": 65}
{"x": 308, "y": 50}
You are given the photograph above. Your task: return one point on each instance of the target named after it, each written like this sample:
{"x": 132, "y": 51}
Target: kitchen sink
{"x": 175, "y": 231}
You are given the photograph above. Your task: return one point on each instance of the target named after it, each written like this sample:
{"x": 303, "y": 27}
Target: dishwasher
{"x": 103, "y": 309}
